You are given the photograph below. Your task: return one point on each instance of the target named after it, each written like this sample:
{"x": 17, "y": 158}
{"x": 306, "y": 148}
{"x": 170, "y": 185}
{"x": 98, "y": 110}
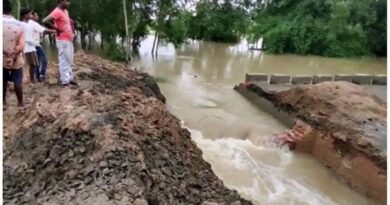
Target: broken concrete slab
{"x": 321, "y": 78}
{"x": 280, "y": 79}
{"x": 362, "y": 79}
{"x": 301, "y": 79}
{"x": 379, "y": 80}
{"x": 265, "y": 104}
{"x": 342, "y": 77}
{"x": 258, "y": 77}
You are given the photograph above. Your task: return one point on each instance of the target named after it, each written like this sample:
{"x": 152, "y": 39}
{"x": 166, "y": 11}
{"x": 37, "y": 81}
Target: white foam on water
{"x": 239, "y": 163}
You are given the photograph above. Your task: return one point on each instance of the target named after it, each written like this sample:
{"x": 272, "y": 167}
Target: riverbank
{"x": 108, "y": 141}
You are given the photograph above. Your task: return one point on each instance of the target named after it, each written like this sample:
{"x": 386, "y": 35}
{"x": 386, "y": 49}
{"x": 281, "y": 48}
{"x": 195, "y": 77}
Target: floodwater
{"x": 198, "y": 78}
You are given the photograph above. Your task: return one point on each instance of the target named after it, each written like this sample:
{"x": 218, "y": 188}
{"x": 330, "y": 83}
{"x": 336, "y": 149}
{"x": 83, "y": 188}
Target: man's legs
{"x": 42, "y": 62}
{"x": 64, "y": 61}
{"x": 6, "y": 78}
{"x": 34, "y": 73}
{"x": 31, "y": 72}
{"x": 34, "y": 69}
{"x": 32, "y": 60}
{"x": 71, "y": 58}
{"x": 17, "y": 78}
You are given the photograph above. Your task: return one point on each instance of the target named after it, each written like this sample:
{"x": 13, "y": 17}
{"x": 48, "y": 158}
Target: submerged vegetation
{"x": 336, "y": 28}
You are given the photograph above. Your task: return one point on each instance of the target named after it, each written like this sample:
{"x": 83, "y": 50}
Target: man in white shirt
{"x": 32, "y": 31}
{"x": 41, "y": 52}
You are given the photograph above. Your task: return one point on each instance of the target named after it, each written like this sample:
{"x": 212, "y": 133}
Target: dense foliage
{"x": 323, "y": 27}
{"x": 219, "y": 22}
{"x": 342, "y": 28}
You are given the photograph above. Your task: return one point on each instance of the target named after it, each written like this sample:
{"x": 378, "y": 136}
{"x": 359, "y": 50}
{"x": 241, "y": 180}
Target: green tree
{"x": 218, "y": 21}
{"x": 340, "y": 28}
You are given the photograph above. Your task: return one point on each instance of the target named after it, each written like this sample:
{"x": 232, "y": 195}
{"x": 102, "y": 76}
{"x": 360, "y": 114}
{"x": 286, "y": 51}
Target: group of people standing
{"x": 21, "y": 42}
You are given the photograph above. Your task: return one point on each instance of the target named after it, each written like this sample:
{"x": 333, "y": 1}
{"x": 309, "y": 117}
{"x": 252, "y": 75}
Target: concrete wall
{"x": 267, "y": 106}
{"x": 360, "y": 79}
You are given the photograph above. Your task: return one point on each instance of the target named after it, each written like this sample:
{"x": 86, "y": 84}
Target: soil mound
{"x": 108, "y": 141}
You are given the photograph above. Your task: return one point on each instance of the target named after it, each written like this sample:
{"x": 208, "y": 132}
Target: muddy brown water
{"x": 198, "y": 78}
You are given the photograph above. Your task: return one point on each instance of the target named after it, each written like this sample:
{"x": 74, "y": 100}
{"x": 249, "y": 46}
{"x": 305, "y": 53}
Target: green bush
{"x": 114, "y": 52}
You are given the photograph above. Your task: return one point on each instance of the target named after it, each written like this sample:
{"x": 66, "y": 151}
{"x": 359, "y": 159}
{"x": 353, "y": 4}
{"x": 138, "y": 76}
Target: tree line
{"x": 335, "y": 28}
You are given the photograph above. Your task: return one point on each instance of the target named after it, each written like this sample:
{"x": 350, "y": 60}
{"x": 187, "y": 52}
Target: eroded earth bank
{"x": 108, "y": 141}
{"x": 339, "y": 123}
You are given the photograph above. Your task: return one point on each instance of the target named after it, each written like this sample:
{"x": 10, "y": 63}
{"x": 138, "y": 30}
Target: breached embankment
{"x": 339, "y": 123}
{"x": 108, "y": 141}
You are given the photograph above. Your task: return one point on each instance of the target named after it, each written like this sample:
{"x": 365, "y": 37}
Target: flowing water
{"x": 198, "y": 78}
